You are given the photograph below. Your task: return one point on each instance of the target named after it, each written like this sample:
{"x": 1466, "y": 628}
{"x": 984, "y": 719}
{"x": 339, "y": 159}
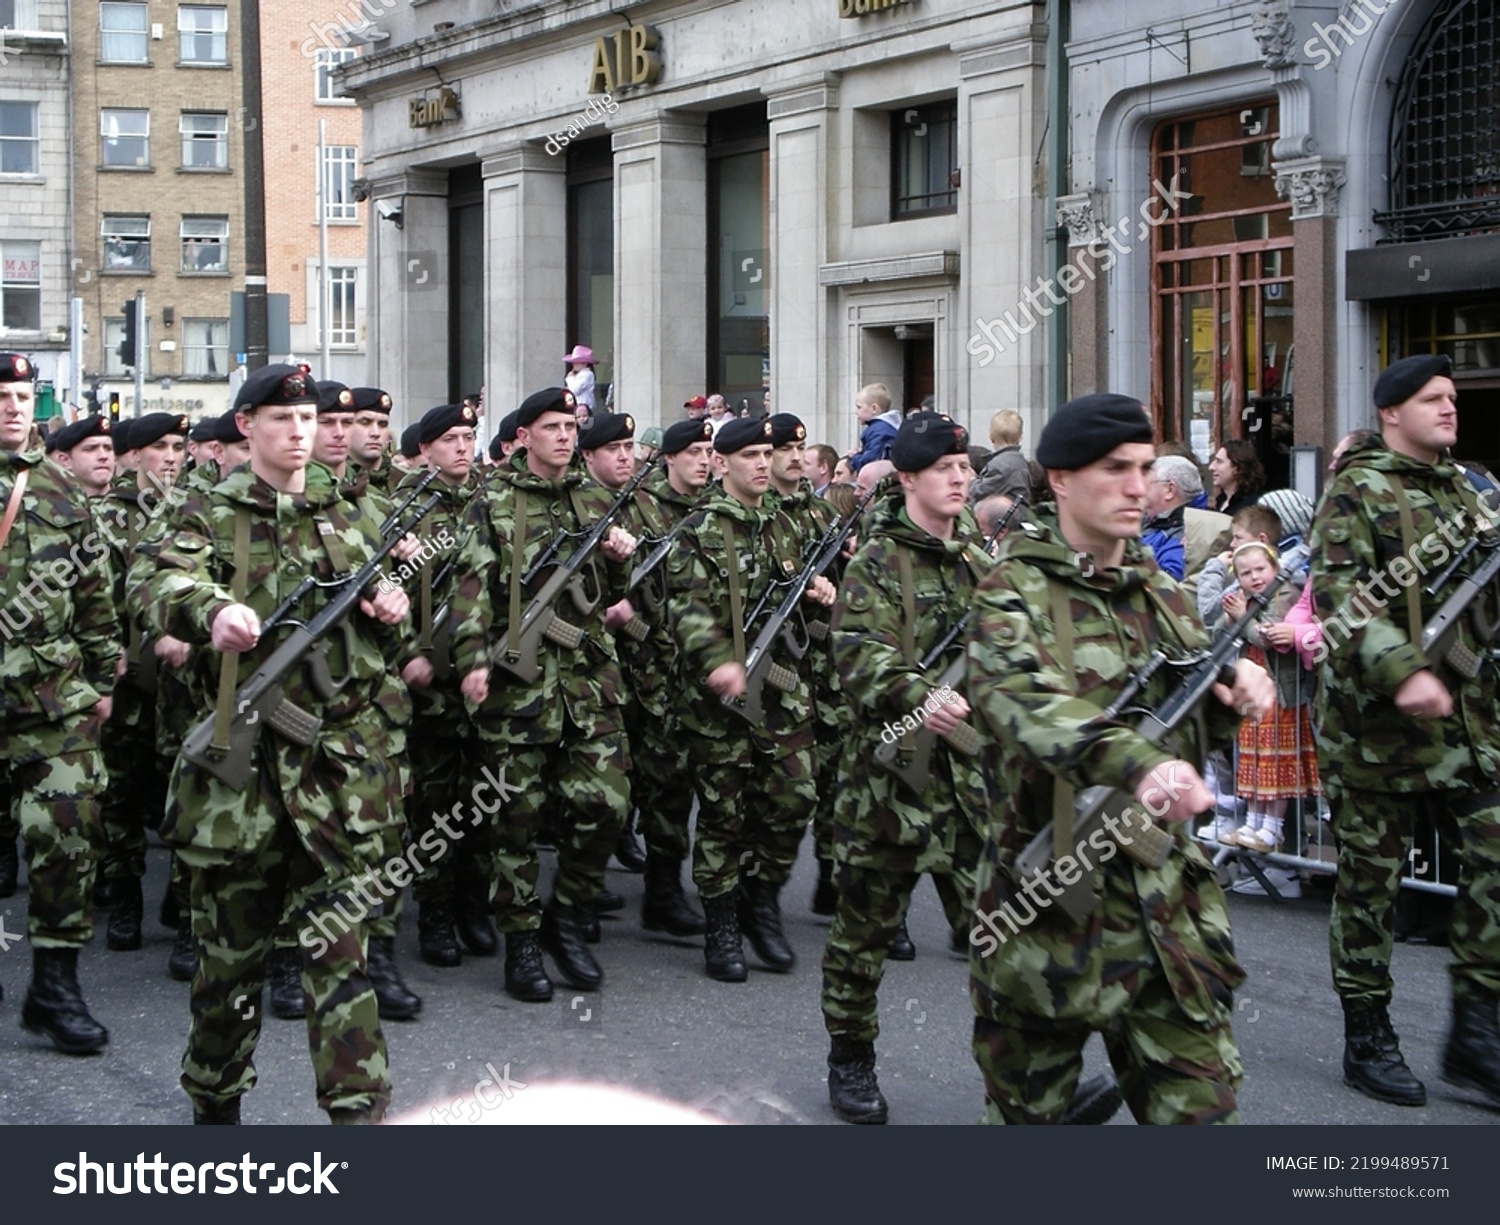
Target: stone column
{"x": 1088, "y": 308}
{"x": 407, "y": 313}
{"x": 525, "y": 274}
{"x": 661, "y": 265}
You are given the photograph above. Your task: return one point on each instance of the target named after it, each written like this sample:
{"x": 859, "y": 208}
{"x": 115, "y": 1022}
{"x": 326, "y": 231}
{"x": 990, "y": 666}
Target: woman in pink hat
{"x": 580, "y": 378}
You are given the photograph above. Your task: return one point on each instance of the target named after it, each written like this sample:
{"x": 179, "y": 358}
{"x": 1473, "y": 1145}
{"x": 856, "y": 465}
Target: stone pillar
{"x": 661, "y": 265}
{"x": 1088, "y": 309}
{"x": 407, "y": 313}
{"x": 1312, "y": 184}
{"x": 525, "y": 274}
{"x": 802, "y": 133}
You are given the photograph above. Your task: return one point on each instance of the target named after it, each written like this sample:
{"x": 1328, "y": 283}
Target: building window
{"x": 18, "y": 138}
{"x": 17, "y": 14}
{"x": 127, "y": 243}
{"x": 205, "y": 141}
{"x": 205, "y": 244}
{"x": 1221, "y": 252}
{"x": 205, "y": 348}
{"x": 924, "y": 157}
{"x": 122, "y": 33}
{"x": 21, "y": 286}
{"x": 342, "y": 330}
{"x": 202, "y": 34}
{"x": 338, "y": 182}
{"x": 739, "y": 244}
{"x": 327, "y": 58}
{"x": 127, "y": 136}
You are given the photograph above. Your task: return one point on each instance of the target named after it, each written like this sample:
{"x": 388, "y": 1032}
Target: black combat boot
{"x": 525, "y": 976}
{"x": 853, "y": 1091}
{"x": 1095, "y": 1102}
{"x": 606, "y": 901}
{"x": 217, "y": 1114}
{"x": 1372, "y": 1058}
{"x": 825, "y": 899}
{"x": 126, "y": 907}
{"x": 284, "y": 978}
{"x": 629, "y": 853}
{"x": 54, "y": 1005}
{"x": 1472, "y": 1057}
{"x": 902, "y": 948}
{"x": 10, "y": 867}
{"x": 170, "y": 915}
{"x": 397, "y": 1001}
{"x": 760, "y": 920}
{"x": 665, "y": 908}
{"x": 589, "y": 926}
{"x": 722, "y": 951}
{"x": 182, "y": 964}
{"x": 437, "y": 941}
{"x": 562, "y": 936}
{"x": 474, "y": 925}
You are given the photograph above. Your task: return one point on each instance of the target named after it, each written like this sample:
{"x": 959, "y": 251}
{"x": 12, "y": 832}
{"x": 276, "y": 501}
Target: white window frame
{"x": 14, "y": 255}
{"x": 195, "y": 137}
{"x": 340, "y": 168}
{"x": 324, "y": 60}
{"x": 25, "y": 16}
{"x": 342, "y": 281}
{"x": 124, "y": 230}
{"x": 199, "y": 351}
{"x": 105, "y": 136}
{"x": 203, "y": 227}
{"x": 117, "y": 8}
{"x": 34, "y": 140}
{"x": 188, "y": 36}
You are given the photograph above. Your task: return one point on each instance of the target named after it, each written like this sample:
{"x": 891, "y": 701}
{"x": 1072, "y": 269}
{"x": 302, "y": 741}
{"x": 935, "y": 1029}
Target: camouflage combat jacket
{"x": 59, "y": 633}
{"x": 1361, "y": 571}
{"x": 429, "y": 580}
{"x": 579, "y": 685}
{"x": 343, "y": 792}
{"x": 767, "y": 549}
{"x": 878, "y": 822}
{"x": 202, "y": 476}
{"x": 1042, "y": 723}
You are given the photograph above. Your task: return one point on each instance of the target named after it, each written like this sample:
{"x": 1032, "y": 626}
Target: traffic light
{"x": 91, "y": 399}
{"x": 126, "y": 350}
{"x": 114, "y": 408}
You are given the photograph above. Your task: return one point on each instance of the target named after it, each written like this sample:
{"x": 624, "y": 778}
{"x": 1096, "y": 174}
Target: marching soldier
{"x": 370, "y": 438}
{"x": 1070, "y": 614}
{"x": 57, "y": 673}
{"x": 910, "y": 584}
{"x": 755, "y": 785}
{"x": 86, "y": 450}
{"x": 1403, "y": 734}
{"x": 317, "y": 818}
{"x": 561, "y": 724}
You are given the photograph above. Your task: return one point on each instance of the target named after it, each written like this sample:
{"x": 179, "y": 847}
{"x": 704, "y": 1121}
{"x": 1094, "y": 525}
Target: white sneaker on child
{"x": 1285, "y": 881}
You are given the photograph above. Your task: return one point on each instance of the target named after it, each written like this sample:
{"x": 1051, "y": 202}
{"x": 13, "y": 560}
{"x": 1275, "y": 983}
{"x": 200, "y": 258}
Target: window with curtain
{"x": 122, "y": 33}
{"x": 202, "y": 34}
{"x": 205, "y": 244}
{"x": 205, "y": 348}
{"x": 205, "y": 141}
{"x": 19, "y": 144}
{"x": 127, "y": 243}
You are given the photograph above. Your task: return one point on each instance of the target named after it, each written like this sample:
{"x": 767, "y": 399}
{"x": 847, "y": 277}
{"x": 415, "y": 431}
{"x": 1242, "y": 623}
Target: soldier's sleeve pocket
{"x": 1004, "y": 630}
{"x": 858, "y": 599}
{"x": 1337, "y": 530}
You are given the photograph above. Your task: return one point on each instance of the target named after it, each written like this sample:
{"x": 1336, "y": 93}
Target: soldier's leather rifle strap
{"x": 136, "y": 637}
{"x": 908, "y": 609}
{"x": 228, "y": 660}
{"x": 1409, "y": 550}
{"x": 1062, "y": 792}
{"x": 333, "y": 546}
{"x": 517, "y": 562}
{"x": 13, "y": 507}
{"x": 736, "y": 601}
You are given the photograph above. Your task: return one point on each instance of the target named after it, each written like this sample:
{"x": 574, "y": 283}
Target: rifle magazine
{"x": 294, "y": 723}
{"x": 781, "y": 678}
{"x": 1143, "y": 840}
{"x": 563, "y": 634}
{"x": 964, "y": 739}
{"x": 1463, "y": 661}
{"x": 637, "y": 628}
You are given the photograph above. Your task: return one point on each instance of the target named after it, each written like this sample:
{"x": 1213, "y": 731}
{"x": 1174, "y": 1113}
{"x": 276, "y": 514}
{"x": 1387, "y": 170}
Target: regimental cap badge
{"x": 346, "y": 399}
{"x": 800, "y": 432}
{"x": 569, "y": 399}
{"x": 14, "y": 368}
{"x": 629, "y": 424}
{"x": 22, "y": 367}
{"x": 103, "y": 426}
{"x": 183, "y": 423}
{"x": 466, "y": 415}
{"x": 385, "y": 400}
{"x": 766, "y": 429}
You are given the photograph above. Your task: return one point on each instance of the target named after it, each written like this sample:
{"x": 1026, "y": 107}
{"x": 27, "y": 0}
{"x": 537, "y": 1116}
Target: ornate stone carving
{"x": 1312, "y": 187}
{"x": 1273, "y": 30}
{"x": 1077, "y": 213}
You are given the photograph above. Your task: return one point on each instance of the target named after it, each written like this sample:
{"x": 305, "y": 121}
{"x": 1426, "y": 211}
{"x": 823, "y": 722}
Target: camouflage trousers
{"x": 1374, "y": 834}
{"x": 136, "y": 798}
{"x": 440, "y": 751}
{"x": 583, "y": 788}
{"x": 872, "y": 904}
{"x": 752, "y": 813}
{"x": 237, "y": 908}
{"x": 661, "y": 786}
{"x": 1171, "y": 1069}
{"x": 54, "y": 804}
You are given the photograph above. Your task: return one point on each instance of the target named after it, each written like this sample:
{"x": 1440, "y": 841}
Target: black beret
{"x": 1401, "y": 380}
{"x": 65, "y": 439}
{"x": 681, "y": 435}
{"x": 334, "y": 397}
{"x": 155, "y": 426}
{"x": 924, "y": 438}
{"x": 438, "y": 421}
{"x": 16, "y": 368}
{"x": 1089, "y": 428}
{"x": 548, "y": 400}
{"x": 785, "y": 428}
{"x": 121, "y": 432}
{"x": 203, "y": 429}
{"x": 411, "y": 438}
{"x": 742, "y": 432}
{"x": 225, "y": 428}
{"x": 604, "y": 428}
{"x": 507, "y": 432}
{"x": 368, "y": 399}
{"x": 278, "y": 384}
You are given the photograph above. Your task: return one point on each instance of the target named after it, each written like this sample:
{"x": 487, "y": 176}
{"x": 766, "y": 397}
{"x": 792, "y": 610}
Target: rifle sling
{"x": 13, "y": 505}
{"x": 517, "y": 564}
{"x": 1062, "y": 791}
{"x": 736, "y": 599}
{"x": 908, "y": 609}
{"x": 424, "y": 596}
{"x": 1409, "y": 550}
{"x": 135, "y": 636}
{"x": 229, "y": 661}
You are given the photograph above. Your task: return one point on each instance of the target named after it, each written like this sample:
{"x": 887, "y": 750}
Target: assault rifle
{"x": 1120, "y": 816}
{"x": 909, "y": 758}
{"x": 517, "y": 649}
{"x": 1440, "y": 639}
{"x": 653, "y": 592}
{"x": 261, "y": 700}
{"x": 786, "y": 622}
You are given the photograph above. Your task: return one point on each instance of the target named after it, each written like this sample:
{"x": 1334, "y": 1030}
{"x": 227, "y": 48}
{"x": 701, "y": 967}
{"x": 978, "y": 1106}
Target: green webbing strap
{"x": 332, "y": 545}
{"x": 908, "y": 610}
{"x": 1408, "y": 549}
{"x": 517, "y": 562}
{"x": 736, "y": 603}
{"x": 229, "y": 661}
{"x": 425, "y": 600}
{"x": 1062, "y": 792}
{"x": 137, "y": 635}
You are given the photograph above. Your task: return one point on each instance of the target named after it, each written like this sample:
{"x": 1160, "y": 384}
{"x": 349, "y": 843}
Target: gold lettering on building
{"x": 427, "y": 112}
{"x": 625, "y": 59}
